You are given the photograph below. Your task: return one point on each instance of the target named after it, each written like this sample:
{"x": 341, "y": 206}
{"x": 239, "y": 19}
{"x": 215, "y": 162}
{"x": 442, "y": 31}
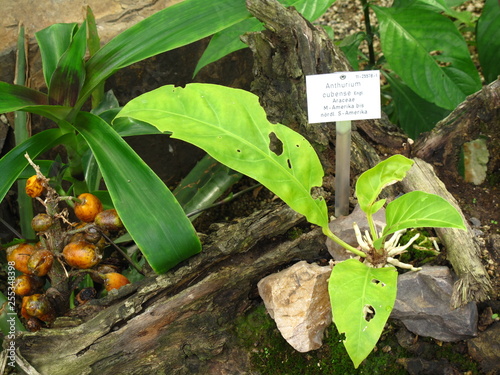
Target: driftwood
{"x": 181, "y": 322}
{"x": 462, "y": 249}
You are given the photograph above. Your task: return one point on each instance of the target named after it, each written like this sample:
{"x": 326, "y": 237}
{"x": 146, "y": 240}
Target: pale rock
{"x": 342, "y": 228}
{"x": 297, "y": 299}
{"x": 423, "y": 304}
{"x": 476, "y": 157}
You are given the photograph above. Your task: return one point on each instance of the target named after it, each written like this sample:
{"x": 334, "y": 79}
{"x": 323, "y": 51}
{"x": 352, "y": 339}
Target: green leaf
{"x": 418, "y": 209}
{"x": 175, "y": 26}
{"x": 350, "y": 47}
{"x": 232, "y": 127}
{"x": 354, "y": 288}
{"x": 488, "y": 40}
{"x": 228, "y": 40}
{"x": 69, "y": 75}
{"x": 20, "y": 98}
{"x": 416, "y": 115}
{"x": 206, "y": 182}
{"x": 149, "y": 211}
{"x": 13, "y": 163}
{"x": 444, "y": 77}
{"x": 53, "y": 42}
{"x": 371, "y": 182}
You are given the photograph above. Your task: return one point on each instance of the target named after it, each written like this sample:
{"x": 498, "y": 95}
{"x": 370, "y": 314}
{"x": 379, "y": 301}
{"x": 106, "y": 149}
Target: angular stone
{"x": 297, "y": 299}
{"x": 342, "y": 228}
{"x": 423, "y": 304}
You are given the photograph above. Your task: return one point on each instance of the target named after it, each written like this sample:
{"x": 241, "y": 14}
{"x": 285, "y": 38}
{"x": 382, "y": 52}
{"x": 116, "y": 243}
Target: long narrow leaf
{"x": 69, "y": 75}
{"x": 149, "y": 211}
{"x": 175, "y": 26}
{"x": 14, "y": 162}
{"x": 232, "y": 127}
{"x": 437, "y": 64}
{"x": 53, "y": 41}
{"x": 20, "y": 98}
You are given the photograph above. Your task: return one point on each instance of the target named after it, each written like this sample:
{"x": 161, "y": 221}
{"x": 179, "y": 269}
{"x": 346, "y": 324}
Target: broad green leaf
{"x": 206, "y": 182}
{"x": 53, "y": 42}
{"x": 355, "y": 290}
{"x": 418, "y": 209}
{"x": 436, "y": 6}
{"x": 149, "y": 211}
{"x": 228, "y": 40}
{"x": 13, "y": 163}
{"x": 488, "y": 40}
{"x": 436, "y": 65}
{"x": 350, "y": 47}
{"x": 416, "y": 115}
{"x": 94, "y": 44}
{"x": 175, "y": 26}
{"x": 69, "y": 75}
{"x": 20, "y": 98}
{"x": 231, "y": 126}
{"x": 372, "y": 181}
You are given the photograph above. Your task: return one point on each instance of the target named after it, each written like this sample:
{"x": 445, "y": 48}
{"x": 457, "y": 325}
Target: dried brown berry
{"x": 20, "y": 254}
{"x": 82, "y": 254}
{"x": 34, "y": 186}
{"x": 41, "y": 222}
{"x": 108, "y": 220}
{"x": 25, "y": 285}
{"x": 85, "y": 295}
{"x": 40, "y": 262}
{"x": 114, "y": 280}
{"x": 88, "y": 208}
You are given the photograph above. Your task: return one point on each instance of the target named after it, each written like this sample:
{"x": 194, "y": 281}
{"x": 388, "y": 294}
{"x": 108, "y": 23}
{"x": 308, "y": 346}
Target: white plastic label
{"x": 343, "y": 96}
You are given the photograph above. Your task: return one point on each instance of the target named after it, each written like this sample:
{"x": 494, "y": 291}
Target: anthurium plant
{"x": 362, "y": 293}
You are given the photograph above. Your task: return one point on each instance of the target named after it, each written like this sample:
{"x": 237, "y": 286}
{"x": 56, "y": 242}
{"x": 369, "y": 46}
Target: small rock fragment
{"x": 298, "y": 300}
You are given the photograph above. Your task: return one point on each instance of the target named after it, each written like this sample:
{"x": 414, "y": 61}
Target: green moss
{"x": 425, "y": 252}
{"x": 272, "y": 355}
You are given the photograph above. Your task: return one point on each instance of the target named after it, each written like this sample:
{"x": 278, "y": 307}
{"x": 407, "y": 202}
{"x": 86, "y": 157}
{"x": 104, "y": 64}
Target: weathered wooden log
{"x": 462, "y": 249}
{"x": 478, "y": 115}
{"x": 181, "y": 322}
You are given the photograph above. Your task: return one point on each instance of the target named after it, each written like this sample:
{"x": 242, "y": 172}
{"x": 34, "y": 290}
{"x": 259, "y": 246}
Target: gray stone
{"x": 423, "y": 304}
{"x": 342, "y": 228}
{"x": 298, "y": 301}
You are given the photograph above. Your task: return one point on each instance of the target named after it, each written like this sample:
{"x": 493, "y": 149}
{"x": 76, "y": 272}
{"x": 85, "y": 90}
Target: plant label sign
{"x": 343, "y": 96}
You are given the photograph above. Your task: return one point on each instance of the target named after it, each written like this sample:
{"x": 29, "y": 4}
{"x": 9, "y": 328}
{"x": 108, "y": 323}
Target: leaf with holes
{"x": 362, "y": 299}
{"x": 231, "y": 126}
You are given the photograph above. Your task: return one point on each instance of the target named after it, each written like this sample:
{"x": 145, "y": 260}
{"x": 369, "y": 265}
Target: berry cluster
{"x": 53, "y": 268}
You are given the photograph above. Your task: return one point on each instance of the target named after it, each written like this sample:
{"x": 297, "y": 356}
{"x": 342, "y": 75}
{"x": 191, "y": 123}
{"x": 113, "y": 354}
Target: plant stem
{"x": 327, "y": 232}
{"x": 369, "y": 32}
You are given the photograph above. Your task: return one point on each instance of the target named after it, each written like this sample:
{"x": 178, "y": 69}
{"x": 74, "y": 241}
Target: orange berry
{"x": 108, "y": 220}
{"x": 89, "y": 207}
{"x": 114, "y": 280}
{"x": 41, "y": 222}
{"x": 34, "y": 186}
{"x": 39, "y": 306}
{"x": 25, "y": 285}
{"x": 40, "y": 262}
{"x": 20, "y": 254}
{"x": 82, "y": 254}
